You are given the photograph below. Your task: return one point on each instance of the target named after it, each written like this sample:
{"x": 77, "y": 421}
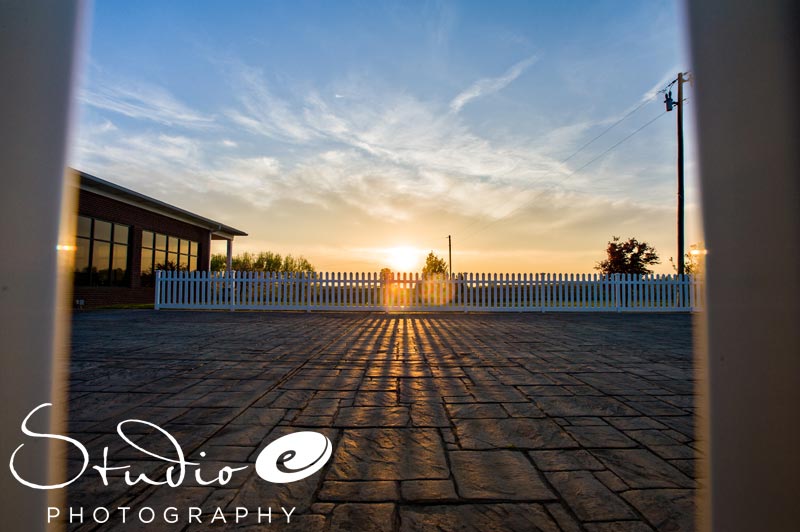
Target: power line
{"x": 609, "y": 128}
{"x": 615, "y": 145}
{"x": 571, "y": 174}
{"x": 685, "y": 100}
{"x": 612, "y": 126}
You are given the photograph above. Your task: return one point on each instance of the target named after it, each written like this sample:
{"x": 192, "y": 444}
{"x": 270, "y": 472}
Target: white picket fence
{"x": 413, "y": 292}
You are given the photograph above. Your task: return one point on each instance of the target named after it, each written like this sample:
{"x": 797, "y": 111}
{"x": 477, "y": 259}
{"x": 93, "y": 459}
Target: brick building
{"x": 123, "y": 237}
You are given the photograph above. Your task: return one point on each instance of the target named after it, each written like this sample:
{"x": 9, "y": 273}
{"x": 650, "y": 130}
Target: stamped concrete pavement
{"x": 439, "y": 421}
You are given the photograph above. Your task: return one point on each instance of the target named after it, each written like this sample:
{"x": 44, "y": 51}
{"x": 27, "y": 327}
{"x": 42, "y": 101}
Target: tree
{"x": 694, "y": 263}
{"x": 265, "y": 261}
{"x": 434, "y": 265}
{"x": 386, "y": 274}
{"x": 630, "y": 256}
{"x": 243, "y": 262}
{"x": 218, "y": 262}
{"x": 299, "y": 264}
{"x": 169, "y": 266}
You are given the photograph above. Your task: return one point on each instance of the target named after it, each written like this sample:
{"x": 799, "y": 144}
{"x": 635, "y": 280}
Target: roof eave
{"x": 96, "y": 185}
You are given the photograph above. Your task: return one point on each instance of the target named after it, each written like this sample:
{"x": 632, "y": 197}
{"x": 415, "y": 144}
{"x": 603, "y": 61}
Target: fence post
{"x": 617, "y": 291}
{"x": 686, "y": 293}
{"x": 157, "y": 304}
{"x": 232, "y": 290}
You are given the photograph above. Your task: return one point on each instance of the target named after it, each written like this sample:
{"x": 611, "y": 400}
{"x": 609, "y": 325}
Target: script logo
{"x": 288, "y": 459}
{"x": 293, "y": 457}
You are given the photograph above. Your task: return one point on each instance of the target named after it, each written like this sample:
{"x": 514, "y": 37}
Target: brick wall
{"x": 104, "y": 296}
{"x": 97, "y": 206}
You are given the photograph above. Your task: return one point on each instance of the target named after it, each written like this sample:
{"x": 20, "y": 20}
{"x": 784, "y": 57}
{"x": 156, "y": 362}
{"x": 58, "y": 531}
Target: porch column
{"x": 749, "y": 163}
{"x": 37, "y": 208}
{"x": 205, "y": 255}
{"x": 229, "y": 258}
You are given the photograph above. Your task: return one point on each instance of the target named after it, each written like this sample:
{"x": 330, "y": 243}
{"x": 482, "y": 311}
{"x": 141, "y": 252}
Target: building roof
{"x": 102, "y": 187}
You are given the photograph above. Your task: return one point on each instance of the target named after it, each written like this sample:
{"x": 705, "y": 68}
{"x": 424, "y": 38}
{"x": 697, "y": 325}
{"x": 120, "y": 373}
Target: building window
{"x": 164, "y": 252}
{"x": 101, "y": 257}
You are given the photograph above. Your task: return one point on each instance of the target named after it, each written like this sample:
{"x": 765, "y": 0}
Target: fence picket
{"x": 412, "y": 291}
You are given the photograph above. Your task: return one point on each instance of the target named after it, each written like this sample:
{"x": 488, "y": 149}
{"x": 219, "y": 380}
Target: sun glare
{"x": 403, "y": 259}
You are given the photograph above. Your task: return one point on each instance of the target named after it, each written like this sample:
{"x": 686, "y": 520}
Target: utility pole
{"x": 681, "y": 266}
{"x": 670, "y": 104}
{"x": 450, "y": 255}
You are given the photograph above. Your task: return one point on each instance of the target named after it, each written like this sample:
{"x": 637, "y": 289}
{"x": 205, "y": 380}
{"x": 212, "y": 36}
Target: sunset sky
{"x": 361, "y": 134}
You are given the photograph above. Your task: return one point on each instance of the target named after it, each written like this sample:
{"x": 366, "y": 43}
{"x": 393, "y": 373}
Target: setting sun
{"x": 404, "y": 258}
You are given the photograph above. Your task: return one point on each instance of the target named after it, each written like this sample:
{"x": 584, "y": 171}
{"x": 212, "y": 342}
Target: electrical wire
{"x": 581, "y": 148}
{"x": 568, "y": 176}
{"x": 666, "y": 88}
{"x": 612, "y": 126}
{"x": 584, "y": 146}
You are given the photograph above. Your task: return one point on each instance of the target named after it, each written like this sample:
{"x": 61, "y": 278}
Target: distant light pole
{"x": 670, "y": 103}
{"x": 450, "y": 255}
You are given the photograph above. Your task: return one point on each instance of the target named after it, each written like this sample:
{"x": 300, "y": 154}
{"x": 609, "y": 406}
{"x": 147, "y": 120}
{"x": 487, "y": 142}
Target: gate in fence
{"x": 414, "y": 292}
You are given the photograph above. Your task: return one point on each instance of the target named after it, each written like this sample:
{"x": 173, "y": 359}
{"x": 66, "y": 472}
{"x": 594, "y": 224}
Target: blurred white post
{"x": 38, "y": 42}
{"x": 746, "y": 59}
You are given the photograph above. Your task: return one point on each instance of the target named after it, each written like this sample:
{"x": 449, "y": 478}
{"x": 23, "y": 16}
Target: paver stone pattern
{"x": 438, "y": 421}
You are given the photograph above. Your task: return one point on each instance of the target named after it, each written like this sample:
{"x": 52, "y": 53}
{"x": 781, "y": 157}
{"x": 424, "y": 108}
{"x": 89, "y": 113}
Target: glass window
{"x": 102, "y": 248}
{"x": 84, "y": 227}
{"x": 147, "y": 261}
{"x": 121, "y": 234}
{"x": 94, "y": 252}
{"x": 161, "y": 260}
{"x": 147, "y": 267}
{"x": 82, "y": 261}
{"x": 102, "y": 230}
{"x": 168, "y": 253}
{"x": 119, "y": 265}
{"x": 147, "y": 239}
{"x": 101, "y": 258}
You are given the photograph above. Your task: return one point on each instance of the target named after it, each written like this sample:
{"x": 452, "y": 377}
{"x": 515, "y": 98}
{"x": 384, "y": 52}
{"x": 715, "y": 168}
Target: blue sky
{"x": 345, "y": 130}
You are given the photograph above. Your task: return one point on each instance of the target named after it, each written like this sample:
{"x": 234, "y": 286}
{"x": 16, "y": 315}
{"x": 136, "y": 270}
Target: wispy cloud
{"x": 144, "y": 101}
{"x": 440, "y": 19}
{"x": 486, "y": 86}
{"x": 392, "y": 127}
{"x": 665, "y": 79}
{"x": 262, "y": 111}
{"x": 386, "y": 153}
{"x": 100, "y": 128}
{"x": 379, "y": 159}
